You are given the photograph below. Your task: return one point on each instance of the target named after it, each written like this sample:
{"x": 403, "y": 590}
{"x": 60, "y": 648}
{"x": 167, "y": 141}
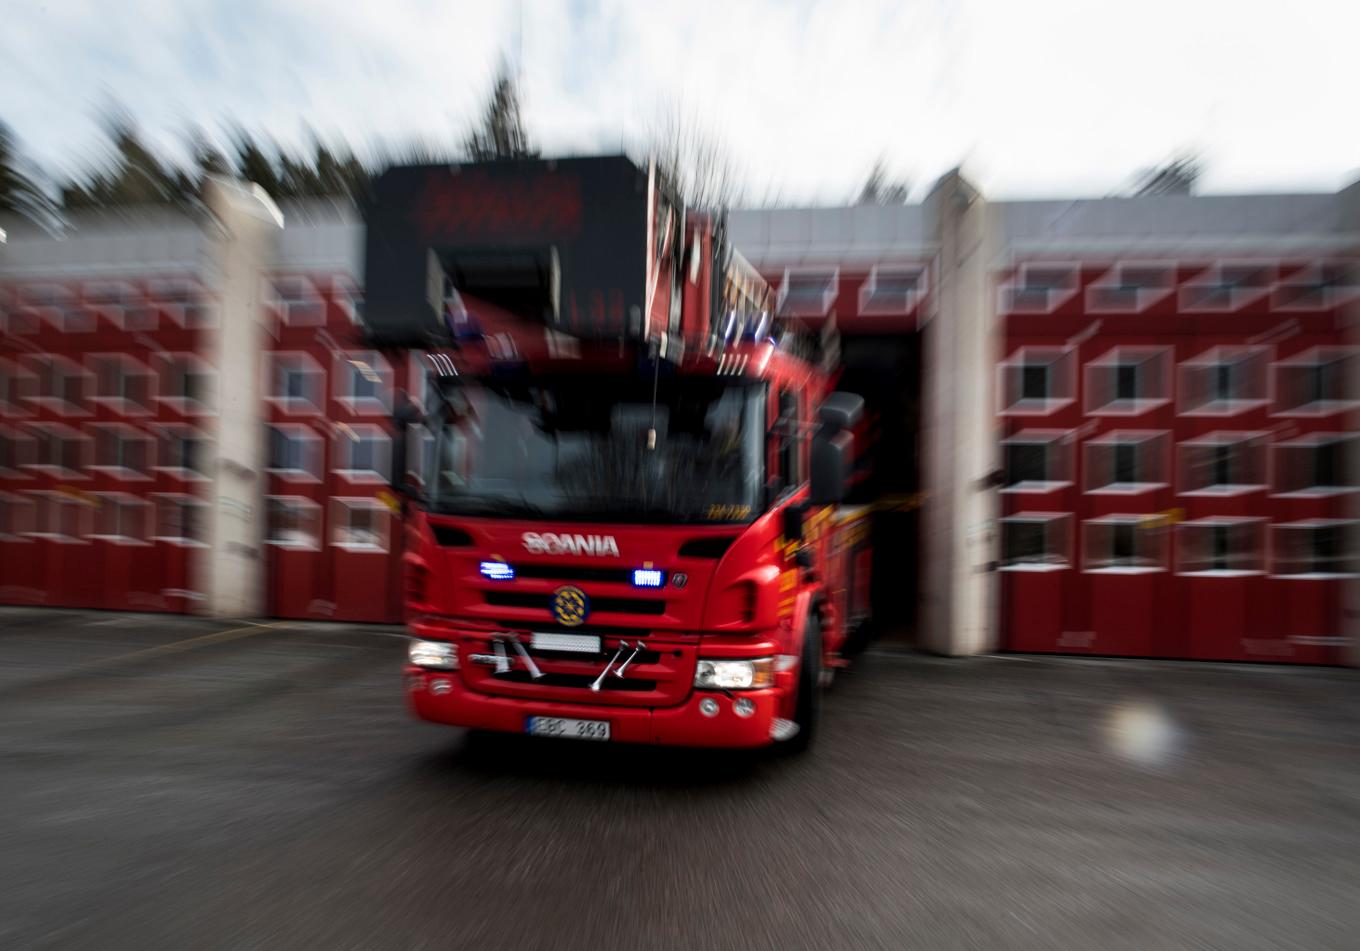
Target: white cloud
{"x": 1039, "y": 97}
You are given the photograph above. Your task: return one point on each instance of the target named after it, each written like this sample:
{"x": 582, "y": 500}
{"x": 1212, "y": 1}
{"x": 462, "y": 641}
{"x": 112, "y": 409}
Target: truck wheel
{"x": 808, "y": 710}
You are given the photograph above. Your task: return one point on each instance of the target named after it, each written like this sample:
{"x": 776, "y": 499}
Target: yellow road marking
{"x": 175, "y": 647}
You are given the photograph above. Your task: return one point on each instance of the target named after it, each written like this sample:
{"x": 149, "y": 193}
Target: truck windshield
{"x": 600, "y": 447}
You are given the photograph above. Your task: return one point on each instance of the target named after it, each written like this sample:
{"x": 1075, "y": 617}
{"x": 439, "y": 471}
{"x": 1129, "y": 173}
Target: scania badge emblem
{"x": 570, "y": 606}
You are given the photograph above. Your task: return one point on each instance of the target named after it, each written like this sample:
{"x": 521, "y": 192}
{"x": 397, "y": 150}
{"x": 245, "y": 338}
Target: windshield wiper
{"x": 487, "y": 505}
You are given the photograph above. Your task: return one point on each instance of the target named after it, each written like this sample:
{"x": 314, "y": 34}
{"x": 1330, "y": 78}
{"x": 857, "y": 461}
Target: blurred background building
{"x": 1120, "y": 426}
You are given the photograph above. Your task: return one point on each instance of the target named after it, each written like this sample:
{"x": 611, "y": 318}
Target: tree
{"x": 133, "y": 176}
{"x": 1178, "y": 176}
{"x": 20, "y": 194}
{"x": 696, "y": 162}
{"x": 328, "y": 173}
{"x": 501, "y": 134}
{"x": 253, "y": 163}
{"x": 879, "y": 189}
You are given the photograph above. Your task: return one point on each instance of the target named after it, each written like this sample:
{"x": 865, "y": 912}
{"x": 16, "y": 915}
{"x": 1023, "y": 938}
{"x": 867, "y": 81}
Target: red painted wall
{"x": 1169, "y": 612}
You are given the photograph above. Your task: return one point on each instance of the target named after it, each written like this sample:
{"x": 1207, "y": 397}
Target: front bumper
{"x": 441, "y": 697}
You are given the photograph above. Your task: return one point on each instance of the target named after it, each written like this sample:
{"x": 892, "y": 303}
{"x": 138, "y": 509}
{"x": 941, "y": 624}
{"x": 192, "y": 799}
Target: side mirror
{"x": 403, "y": 418}
{"x": 840, "y": 411}
{"x": 832, "y": 457}
{"x": 833, "y": 448}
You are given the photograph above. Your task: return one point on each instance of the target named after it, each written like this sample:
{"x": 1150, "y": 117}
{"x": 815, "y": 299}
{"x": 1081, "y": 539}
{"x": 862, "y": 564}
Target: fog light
{"x": 708, "y": 707}
{"x": 744, "y": 707}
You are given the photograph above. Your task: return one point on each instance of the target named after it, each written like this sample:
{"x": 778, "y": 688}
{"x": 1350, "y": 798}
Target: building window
{"x": 892, "y": 290}
{"x": 122, "y": 518}
{"x": 179, "y": 519}
{"x": 60, "y": 448}
{"x": 119, "y": 303}
{"x": 186, "y": 383}
{"x": 349, "y": 298}
{"x": 1320, "y": 464}
{"x": 60, "y": 516}
{"x": 359, "y": 524}
{"x": 293, "y": 522}
{"x": 18, "y": 450}
{"x": 298, "y": 303}
{"x": 1225, "y": 288}
{"x": 1127, "y": 381}
{"x": 121, "y": 383}
{"x": 1130, "y": 288}
{"x": 1036, "y": 381}
{"x": 43, "y": 302}
{"x": 807, "y": 293}
{"x": 17, "y": 386}
{"x": 1126, "y": 462}
{"x": 1316, "y": 548}
{"x": 183, "y": 301}
{"x": 1038, "y": 460}
{"x": 1224, "y": 381}
{"x": 1128, "y": 544}
{"x": 419, "y": 452}
{"x": 1224, "y": 463}
{"x": 61, "y": 385}
{"x": 1040, "y": 288}
{"x": 295, "y": 452}
{"x": 18, "y": 516}
{"x": 296, "y": 382}
{"x": 182, "y": 450}
{"x": 1221, "y": 546}
{"x": 1036, "y": 541}
{"x": 363, "y": 453}
{"x": 1319, "y": 286}
{"x": 122, "y": 451}
{"x": 363, "y": 382}
{"x": 1321, "y": 381}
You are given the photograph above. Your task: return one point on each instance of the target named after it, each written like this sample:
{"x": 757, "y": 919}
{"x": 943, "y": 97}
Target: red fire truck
{"x": 625, "y": 524}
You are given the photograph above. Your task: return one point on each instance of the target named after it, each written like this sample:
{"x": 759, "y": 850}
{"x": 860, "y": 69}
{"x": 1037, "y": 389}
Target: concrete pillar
{"x": 960, "y": 541}
{"x": 243, "y": 223}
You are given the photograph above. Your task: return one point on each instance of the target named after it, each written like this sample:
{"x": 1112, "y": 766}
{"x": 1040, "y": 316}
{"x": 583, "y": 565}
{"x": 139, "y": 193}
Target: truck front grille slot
{"x": 542, "y": 602}
{"x": 581, "y": 681}
{"x": 575, "y": 573}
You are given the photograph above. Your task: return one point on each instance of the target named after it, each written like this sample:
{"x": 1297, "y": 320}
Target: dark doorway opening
{"x": 886, "y": 371}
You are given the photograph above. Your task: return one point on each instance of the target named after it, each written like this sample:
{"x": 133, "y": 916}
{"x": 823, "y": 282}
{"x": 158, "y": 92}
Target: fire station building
{"x": 1118, "y": 426}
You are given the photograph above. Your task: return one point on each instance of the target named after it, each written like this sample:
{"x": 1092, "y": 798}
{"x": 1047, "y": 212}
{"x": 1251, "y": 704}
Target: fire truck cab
{"x": 626, "y": 522}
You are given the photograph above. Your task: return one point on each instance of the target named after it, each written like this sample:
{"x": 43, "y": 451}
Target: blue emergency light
{"x": 648, "y": 578}
{"x": 497, "y": 571}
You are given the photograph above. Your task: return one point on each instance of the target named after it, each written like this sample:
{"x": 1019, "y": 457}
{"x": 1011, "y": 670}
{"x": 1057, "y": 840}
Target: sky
{"x": 1032, "y": 97}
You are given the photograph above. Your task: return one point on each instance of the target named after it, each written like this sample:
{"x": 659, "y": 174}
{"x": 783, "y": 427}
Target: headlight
{"x": 435, "y": 655}
{"x": 734, "y": 674}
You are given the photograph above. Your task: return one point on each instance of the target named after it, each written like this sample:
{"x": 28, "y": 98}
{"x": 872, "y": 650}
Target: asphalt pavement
{"x": 178, "y": 783}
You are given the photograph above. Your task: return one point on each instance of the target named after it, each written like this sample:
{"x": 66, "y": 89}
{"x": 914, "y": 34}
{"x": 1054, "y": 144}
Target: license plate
{"x": 567, "y": 728}
{"x": 572, "y": 643}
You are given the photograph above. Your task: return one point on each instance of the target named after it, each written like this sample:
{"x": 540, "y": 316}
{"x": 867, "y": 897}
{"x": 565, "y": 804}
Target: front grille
{"x": 642, "y": 658}
{"x": 543, "y": 602}
{"x": 582, "y": 681}
{"x": 627, "y": 633}
{"x": 575, "y": 573}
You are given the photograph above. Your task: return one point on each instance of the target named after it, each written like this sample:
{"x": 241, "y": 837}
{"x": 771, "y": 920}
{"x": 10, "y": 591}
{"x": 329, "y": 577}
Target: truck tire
{"x": 808, "y": 708}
